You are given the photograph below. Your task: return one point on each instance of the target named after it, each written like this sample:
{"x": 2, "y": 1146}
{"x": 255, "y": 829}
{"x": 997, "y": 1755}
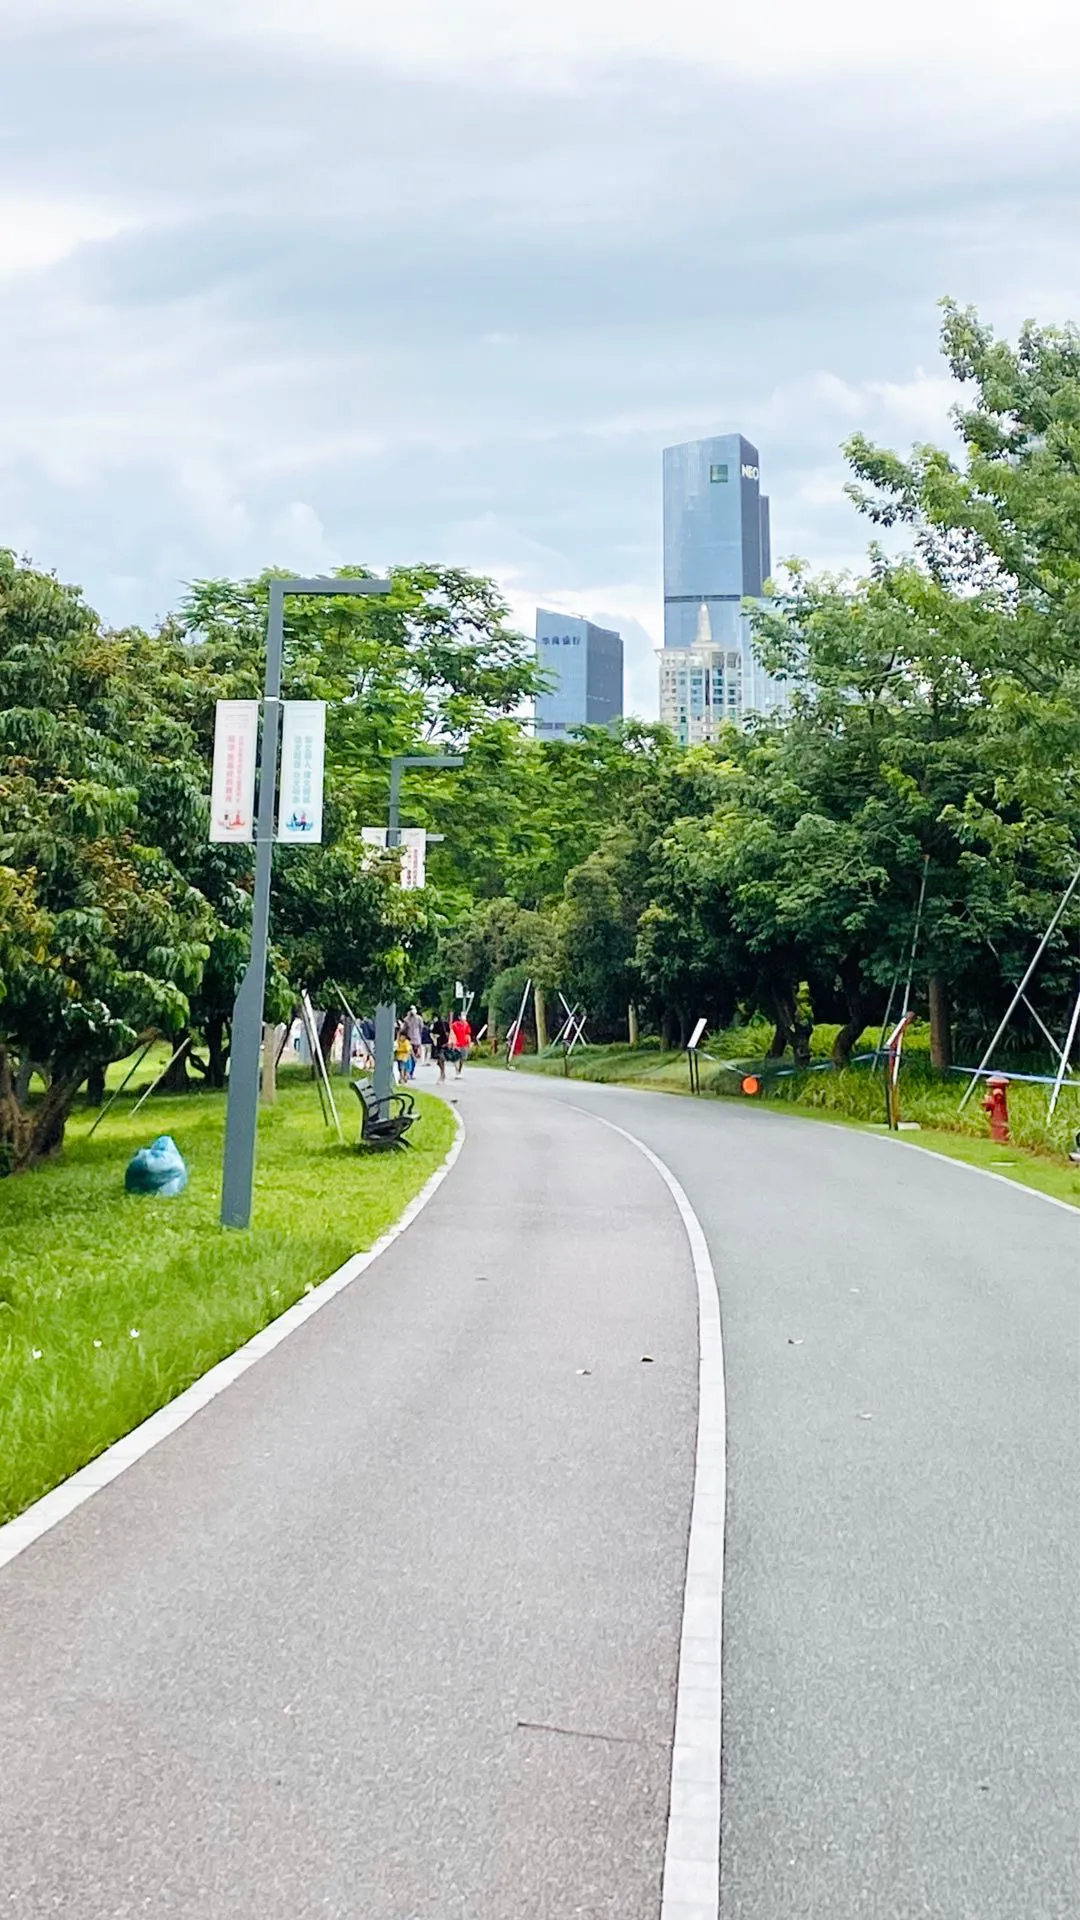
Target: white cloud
{"x": 917, "y": 408}
{"x": 778, "y": 38}
{"x": 278, "y": 301}
{"x": 38, "y": 231}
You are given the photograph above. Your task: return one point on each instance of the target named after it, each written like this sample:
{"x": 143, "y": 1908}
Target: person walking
{"x": 425, "y": 1044}
{"x": 461, "y": 1041}
{"x": 414, "y": 1028}
{"x": 440, "y": 1043}
{"x": 367, "y": 1044}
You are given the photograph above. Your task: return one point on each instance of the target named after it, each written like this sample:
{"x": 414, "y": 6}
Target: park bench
{"x": 383, "y": 1130}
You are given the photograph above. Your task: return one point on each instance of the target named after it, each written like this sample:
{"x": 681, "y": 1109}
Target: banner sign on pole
{"x": 303, "y": 746}
{"x": 232, "y": 787}
{"x": 413, "y": 856}
{"x": 411, "y": 851}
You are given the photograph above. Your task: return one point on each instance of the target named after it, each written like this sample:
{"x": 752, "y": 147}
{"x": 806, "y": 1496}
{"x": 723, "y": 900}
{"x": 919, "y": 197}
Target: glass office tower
{"x": 717, "y": 554}
{"x": 588, "y": 663}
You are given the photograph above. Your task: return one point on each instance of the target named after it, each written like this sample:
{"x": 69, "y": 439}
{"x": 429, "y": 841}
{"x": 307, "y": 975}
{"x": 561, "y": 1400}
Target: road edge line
{"x": 691, "y": 1883}
{"x": 953, "y": 1160}
{"x": 780, "y": 1110}
{"x": 29, "y": 1526}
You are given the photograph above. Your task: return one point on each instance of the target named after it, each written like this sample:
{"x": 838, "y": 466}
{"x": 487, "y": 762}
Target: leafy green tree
{"x": 118, "y": 939}
{"x": 937, "y": 712}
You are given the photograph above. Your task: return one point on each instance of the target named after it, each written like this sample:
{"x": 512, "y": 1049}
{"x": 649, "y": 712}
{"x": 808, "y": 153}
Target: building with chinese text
{"x": 586, "y": 663}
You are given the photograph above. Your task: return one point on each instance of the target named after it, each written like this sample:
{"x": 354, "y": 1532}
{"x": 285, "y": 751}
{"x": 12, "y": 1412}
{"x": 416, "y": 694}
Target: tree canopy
{"x": 925, "y": 778}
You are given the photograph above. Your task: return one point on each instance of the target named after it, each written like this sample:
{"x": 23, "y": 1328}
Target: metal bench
{"x": 383, "y": 1130}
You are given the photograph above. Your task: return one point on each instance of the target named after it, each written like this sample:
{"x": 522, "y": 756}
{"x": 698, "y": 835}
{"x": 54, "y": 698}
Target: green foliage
{"x": 106, "y": 937}
{"x": 926, "y": 778}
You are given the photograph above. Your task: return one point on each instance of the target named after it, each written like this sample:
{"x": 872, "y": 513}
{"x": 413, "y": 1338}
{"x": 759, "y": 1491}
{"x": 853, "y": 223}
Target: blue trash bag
{"x": 157, "y": 1169}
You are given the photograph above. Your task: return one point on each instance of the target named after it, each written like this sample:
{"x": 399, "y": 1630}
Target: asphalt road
{"x": 902, "y": 1592}
{"x": 389, "y": 1631}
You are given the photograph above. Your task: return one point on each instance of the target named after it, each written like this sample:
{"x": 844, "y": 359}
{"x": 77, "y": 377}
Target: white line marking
{"x": 691, "y": 1889}
{"x": 777, "y": 1112}
{"x": 47, "y": 1512}
{"x": 1015, "y": 1186}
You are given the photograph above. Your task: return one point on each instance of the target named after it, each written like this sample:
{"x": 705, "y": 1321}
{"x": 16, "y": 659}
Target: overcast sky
{"x": 314, "y": 281}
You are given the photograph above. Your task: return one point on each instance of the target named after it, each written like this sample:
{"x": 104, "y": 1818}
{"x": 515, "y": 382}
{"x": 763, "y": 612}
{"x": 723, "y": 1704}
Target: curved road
{"x": 390, "y": 1630}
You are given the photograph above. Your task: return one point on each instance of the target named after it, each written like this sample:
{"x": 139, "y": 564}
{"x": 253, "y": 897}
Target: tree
{"x": 106, "y": 939}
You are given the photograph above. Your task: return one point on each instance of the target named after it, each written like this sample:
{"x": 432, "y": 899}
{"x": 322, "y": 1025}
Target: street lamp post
{"x": 247, "y": 1023}
{"x": 386, "y": 1015}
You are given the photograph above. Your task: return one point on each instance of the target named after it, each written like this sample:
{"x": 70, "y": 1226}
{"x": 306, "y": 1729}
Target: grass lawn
{"x": 112, "y": 1303}
{"x": 1036, "y": 1158}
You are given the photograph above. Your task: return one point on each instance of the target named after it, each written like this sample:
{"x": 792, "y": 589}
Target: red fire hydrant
{"x": 996, "y": 1104}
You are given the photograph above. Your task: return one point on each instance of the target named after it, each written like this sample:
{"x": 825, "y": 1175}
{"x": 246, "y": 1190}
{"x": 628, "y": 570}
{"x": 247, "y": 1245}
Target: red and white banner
{"x": 413, "y": 856}
{"x": 411, "y": 851}
{"x": 232, "y": 788}
{"x": 303, "y": 748}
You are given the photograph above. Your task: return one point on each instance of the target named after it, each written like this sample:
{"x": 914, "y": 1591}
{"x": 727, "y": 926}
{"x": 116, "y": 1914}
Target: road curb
{"x": 691, "y": 1885}
{"x": 18, "y": 1534}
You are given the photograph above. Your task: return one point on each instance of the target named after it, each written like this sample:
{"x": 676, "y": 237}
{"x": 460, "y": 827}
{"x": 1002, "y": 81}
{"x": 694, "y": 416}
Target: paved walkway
{"x": 389, "y": 1631}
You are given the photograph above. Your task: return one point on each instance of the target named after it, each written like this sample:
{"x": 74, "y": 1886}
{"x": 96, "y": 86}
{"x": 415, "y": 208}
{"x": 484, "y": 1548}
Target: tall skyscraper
{"x": 717, "y": 554}
{"x": 588, "y": 661}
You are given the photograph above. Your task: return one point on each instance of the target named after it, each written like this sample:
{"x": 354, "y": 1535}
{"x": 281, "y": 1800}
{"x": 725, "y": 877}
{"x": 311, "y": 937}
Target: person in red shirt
{"x": 460, "y": 1041}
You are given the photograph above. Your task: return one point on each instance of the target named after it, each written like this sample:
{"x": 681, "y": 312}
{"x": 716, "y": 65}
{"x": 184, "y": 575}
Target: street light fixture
{"x": 243, "y": 1108}
{"x": 386, "y": 1015}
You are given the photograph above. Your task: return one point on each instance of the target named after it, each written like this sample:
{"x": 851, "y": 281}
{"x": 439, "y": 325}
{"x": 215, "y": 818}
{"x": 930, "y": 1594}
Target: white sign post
{"x": 232, "y": 787}
{"x": 303, "y": 750}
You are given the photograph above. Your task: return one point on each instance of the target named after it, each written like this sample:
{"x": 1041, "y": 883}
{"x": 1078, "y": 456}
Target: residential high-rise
{"x": 588, "y": 662}
{"x": 716, "y": 556}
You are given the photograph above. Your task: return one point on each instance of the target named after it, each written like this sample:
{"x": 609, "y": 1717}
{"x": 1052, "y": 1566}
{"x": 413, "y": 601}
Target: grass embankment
{"x": 1036, "y": 1156}
{"x": 112, "y": 1303}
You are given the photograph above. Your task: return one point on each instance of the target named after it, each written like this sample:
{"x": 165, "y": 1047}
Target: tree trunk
{"x": 347, "y": 1038}
{"x": 778, "y": 1045}
{"x": 802, "y": 1034}
{"x": 95, "y": 1086}
{"x": 176, "y": 1080}
{"x": 632, "y": 1024}
{"x": 540, "y": 1010}
{"x": 29, "y": 1136}
{"x": 784, "y": 1034}
{"x": 216, "y": 1053}
{"x": 268, "y": 1091}
{"x": 668, "y": 1030}
{"x": 328, "y": 1032}
{"x": 847, "y": 1036}
{"x": 492, "y": 1029}
{"x": 940, "y": 1024}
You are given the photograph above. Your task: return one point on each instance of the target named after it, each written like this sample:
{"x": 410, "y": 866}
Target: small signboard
{"x": 303, "y": 748}
{"x": 232, "y": 786}
{"x": 695, "y": 1037}
{"x": 411, "y": 850}
{"x": 413, "y": 856}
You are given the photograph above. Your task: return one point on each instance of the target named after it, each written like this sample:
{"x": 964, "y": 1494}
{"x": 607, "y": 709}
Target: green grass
{"x": 112, "y": 1303}
{"x": 1036, "y": 1157}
